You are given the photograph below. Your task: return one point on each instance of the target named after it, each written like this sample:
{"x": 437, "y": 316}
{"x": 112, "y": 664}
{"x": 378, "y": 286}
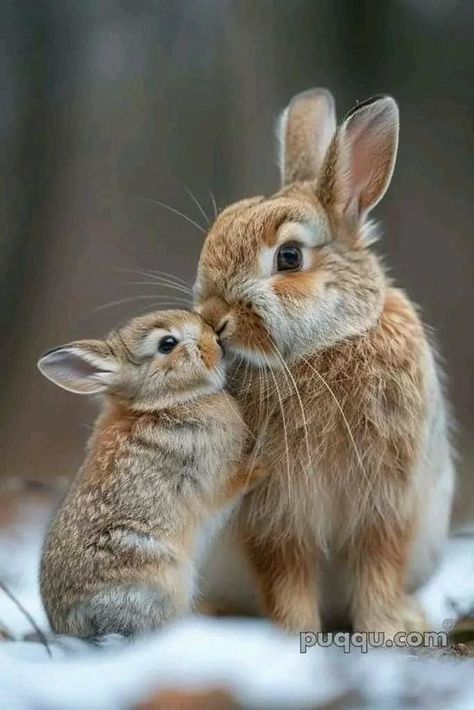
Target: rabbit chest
{"x": 340, "y": 432}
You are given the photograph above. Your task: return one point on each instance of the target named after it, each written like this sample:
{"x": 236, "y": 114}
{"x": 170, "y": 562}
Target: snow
{"x": 257, "y": 663}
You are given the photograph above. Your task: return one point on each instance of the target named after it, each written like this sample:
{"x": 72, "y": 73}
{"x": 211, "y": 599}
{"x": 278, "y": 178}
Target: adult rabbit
{"x": 336, "y": 377}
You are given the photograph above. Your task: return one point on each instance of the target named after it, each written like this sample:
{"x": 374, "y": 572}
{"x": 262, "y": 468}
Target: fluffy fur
{"x": 119, "y": 556}
{"x": 337, "y": 380}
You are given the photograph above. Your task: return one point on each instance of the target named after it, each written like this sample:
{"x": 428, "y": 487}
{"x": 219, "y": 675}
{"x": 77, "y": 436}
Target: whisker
{"x": 344, "y": 418}
{"x": 172, "y": 278}
{"x": 283, "y": 419}
{"x": 162, "y": 306}
{"x": 261, "y": 386}
{"x": 243, "y": 388}
{"x": 156, "y": 284}
{"x": 300, "y": 401}
{"x": 198, "y": 204}
{"x": 174, "y": 211}
{"x": 249, "y": 431}
{"x": 169, "y": 301}
{"x": 214, "y": 204}
{"x": 176, "y": 284}
{"x": 261, "y": 430}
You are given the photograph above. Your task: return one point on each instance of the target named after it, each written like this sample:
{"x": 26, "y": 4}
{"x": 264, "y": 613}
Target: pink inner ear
{"x": 75, "y": 365}
{"x": 73, "y": 371}
{"x": 372, "y": 141}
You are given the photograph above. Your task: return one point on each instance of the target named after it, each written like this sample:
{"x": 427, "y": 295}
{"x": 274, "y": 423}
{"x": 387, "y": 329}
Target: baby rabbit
{"x": 337, "y": 379}
{"x": 164, "y": 456}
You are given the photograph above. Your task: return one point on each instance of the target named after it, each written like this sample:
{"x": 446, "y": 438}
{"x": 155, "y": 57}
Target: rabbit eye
{"x": 167, "y": 344}
{"x": 289, "y": 258}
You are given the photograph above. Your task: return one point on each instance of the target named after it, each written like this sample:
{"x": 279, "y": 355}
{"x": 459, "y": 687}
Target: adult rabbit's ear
{"x": 359, "y": 163}
{"x": 83, "y": 367}
{"x": 305, "y": 130}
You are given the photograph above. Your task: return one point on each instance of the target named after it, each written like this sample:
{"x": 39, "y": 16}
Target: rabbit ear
{"x": 84, "y": 367}
{"x": 359, "y": 163}
{"x": 306, "y": 128}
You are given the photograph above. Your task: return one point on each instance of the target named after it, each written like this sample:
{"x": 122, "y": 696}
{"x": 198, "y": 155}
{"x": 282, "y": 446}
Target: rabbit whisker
{"x": 214, "y": 204}
{"x": 344, "y": 418}
{"x": 171, "y": 277}
{"x": 198, "y": 204}
{"x": 300, "y": 401}
{"x": 163, "y": 280}
{"x": 174, "y": 211}
{"x": 164, "y": 284}
{"x": 262, "y": 428}
{"x": 151, "y": 273}
{"x": 170, "y": 300}
{"x": 248, "y": 381}
{"x": 285, "y": 431}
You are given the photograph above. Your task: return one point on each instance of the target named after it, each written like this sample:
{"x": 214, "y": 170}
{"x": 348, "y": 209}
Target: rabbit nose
{"x": 214, "y": 311}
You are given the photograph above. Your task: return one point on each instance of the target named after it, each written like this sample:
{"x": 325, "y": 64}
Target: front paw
{"x": 395, "y": 624}
{"x": 412, "y": 617}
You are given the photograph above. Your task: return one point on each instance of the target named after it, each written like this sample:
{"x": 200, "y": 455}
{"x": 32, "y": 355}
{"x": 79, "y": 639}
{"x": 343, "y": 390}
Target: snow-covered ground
{"x": 256, "y": 663}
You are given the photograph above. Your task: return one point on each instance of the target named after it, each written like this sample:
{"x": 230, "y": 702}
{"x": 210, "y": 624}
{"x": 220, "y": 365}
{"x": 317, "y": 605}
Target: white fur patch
{"x": 145, "y": 544}
{"x": 310, "y": 233}
{"x": 281, "y": 126}
{"x": 370, "y": 232}
{"x": 307, "y": 234}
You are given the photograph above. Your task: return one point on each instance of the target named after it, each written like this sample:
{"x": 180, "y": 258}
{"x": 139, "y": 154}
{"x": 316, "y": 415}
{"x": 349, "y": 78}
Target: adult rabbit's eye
{"x": 289, "y": 258}
{"x": 167, "y": 344}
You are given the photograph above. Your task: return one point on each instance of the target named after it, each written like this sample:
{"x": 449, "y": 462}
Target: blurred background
{"x": 111, "y": 107}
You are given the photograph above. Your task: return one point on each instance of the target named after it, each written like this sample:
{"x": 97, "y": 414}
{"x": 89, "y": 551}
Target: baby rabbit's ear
{"x": 306, "y": 128}
{"x": 359, "y": 163}
{"x": 84, "y": 367}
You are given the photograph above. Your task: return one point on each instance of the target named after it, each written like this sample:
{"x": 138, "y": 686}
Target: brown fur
{"x": 378, "y": 566}
{"x": 287, "y": 581}
{"x": 334, "y": 381}
{"x": 164, "y": 457}
{"x": 307, "y": 134}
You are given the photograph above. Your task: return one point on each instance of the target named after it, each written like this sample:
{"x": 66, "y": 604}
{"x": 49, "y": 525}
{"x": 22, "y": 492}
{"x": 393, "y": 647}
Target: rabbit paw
{"x": 394, "y": 624}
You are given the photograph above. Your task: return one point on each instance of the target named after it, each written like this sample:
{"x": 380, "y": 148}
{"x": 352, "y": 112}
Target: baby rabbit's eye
{"x": 167, "y": 344}
{"x": 289, "y": 258}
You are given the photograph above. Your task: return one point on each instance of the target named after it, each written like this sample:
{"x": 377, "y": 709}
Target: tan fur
{"x": 164, "y": 456}
{"x": 336, "y": 380}
{"x": 287, "y": 582}
{"x": 306, "y": 134}
{"x": 378, "y": 565}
